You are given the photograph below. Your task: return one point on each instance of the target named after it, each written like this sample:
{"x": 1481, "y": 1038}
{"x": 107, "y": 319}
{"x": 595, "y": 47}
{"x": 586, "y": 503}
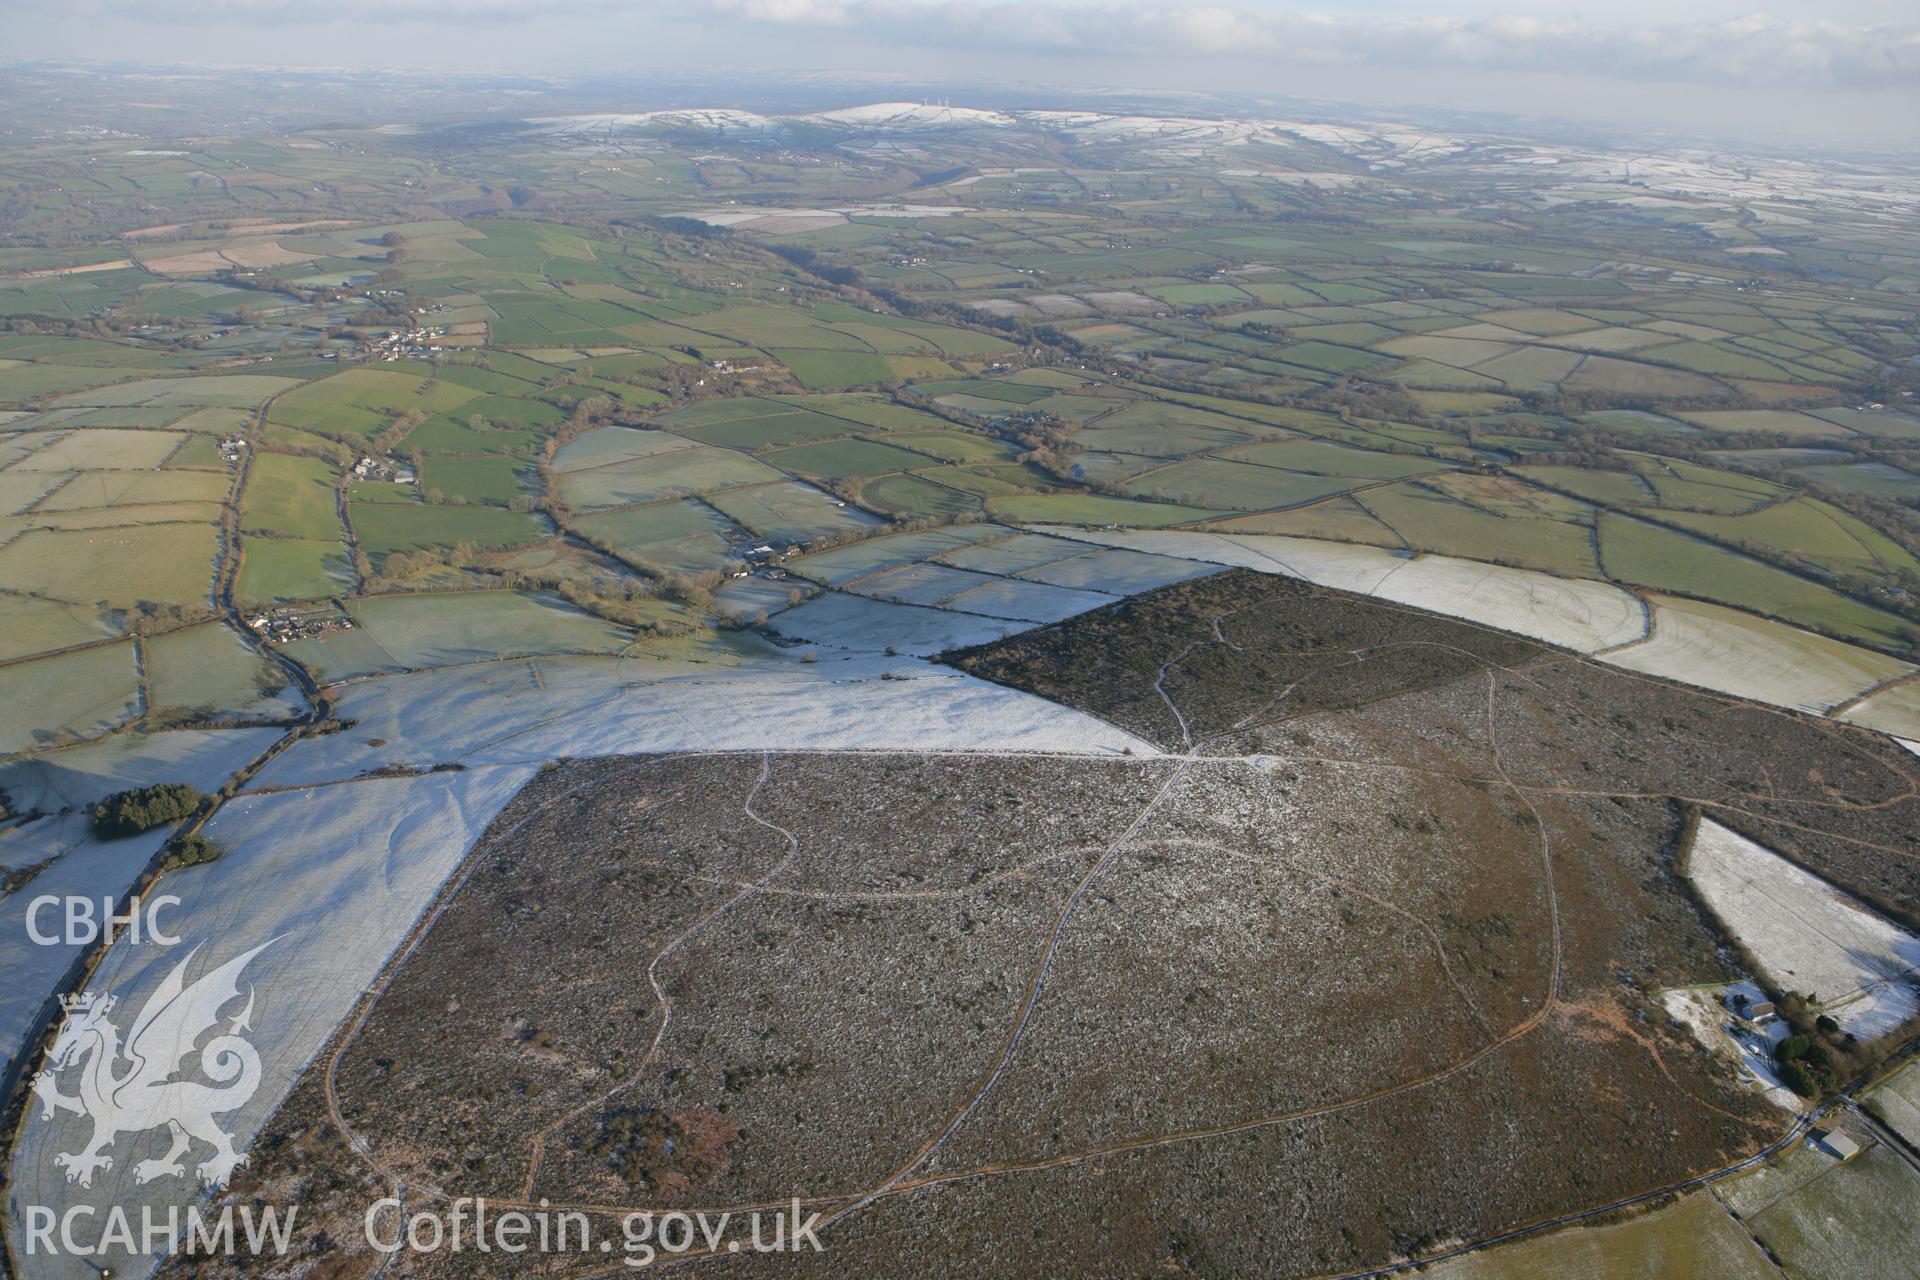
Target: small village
{"x": 417, "y": 342}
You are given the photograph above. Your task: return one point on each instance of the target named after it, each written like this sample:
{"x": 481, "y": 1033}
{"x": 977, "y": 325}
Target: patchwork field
{"x": 1262, "y": 678}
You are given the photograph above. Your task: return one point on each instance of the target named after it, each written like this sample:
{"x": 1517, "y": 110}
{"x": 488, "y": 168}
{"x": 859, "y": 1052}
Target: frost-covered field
{"x": 1704, "y": 645}
{"x": 72, "y": 862}
{"x": 1116, "y": 571}
{"x": 77, "y": 776}
{"x": 1896, "y": 1100}
{"x": 1895, "y": 710}
{"x": 1806, "y": 934}
{"x": 529, "y": 712}
{"x": 81, "y": 867}
{"x": 842, "y": 621}
{"x": 1819, "y": 1218}
{"x": 1734, "y": 652}
{"x": 329, "y": 880}
{"x": 1572, "y": 612}
{"x": 330, "y": 864}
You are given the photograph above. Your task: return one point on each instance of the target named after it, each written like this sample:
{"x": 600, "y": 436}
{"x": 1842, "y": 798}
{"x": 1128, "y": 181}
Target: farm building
{"x": 1837, "y": 1143}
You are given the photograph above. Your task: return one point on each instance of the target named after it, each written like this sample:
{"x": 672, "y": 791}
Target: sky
{"x": 1794, "y": 69}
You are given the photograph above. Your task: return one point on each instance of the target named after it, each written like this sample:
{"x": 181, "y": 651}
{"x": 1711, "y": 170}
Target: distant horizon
{"x": 1847, "y": 70}
{"x": 785, "y": 92}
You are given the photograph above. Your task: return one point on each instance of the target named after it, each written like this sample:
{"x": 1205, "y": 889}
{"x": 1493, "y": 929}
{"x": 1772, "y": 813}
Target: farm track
{"x": 89, "y": 960}
{"x": 345, "y": 516}
{"x": 906, "y": 1178}
{"x": 662, "y": 1000}
{"x": 900, "y": 1183}
{"x": 228, "y": 573}
{"x": 1731, "y": 701}
{"x": 901, "y": 1180}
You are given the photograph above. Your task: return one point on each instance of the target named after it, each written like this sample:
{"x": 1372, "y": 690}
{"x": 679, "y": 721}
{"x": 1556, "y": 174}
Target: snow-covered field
{"x": 1897, "y": 1101}
{"x": 1895, "y": 711}
{"x": 843, "y": 621}
{"x": 717, "y": 119}
{"x": 911, "y": 115}
{"x": 329, "y": 880}
{"x": 1806, "y": 934}
{"x": 72, "y": 862}
{"x": 81, "y": 867}
{"x": 1027, "y": 601}
{"x": 794, "y": 221}
{"x": 1572, "y": 612}
{"x": 1737, "y": 653}
{"x": 1116, "y": 570}
{"x": 77, "y": 776}
{"x": 1704, "y": 645}
{"x": 528, "y": 712}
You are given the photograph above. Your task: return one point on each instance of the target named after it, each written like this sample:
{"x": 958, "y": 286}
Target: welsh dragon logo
{"x": 133, "y": 1087}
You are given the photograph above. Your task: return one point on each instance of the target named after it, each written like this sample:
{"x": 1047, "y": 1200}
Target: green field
{"x": 29, "y": 626}
{"x": 910, "y": 496}
{"x": 117, "y": 567}
{"x": 791, "y": 511}
{"x": 1431, "y": 521}
{"x": 844, "y": 459}
{"x": 363, "y": 402}
{"x": 384, "y": 528}
{"x": 485, "y": 425}
{"x": 1335, "y": 460}
{"x": 76, "y": 695}
{"x": 1234, "y": 486}
{"x": 1613, "y": 488}
{"x": 493, "y": 480}
{"x": 205, "y": 670}
{"x": 684, "y": 537}
{"x": 1416, "y": 356}
{"x": 831, "y": 370}
{"x": 954, "y": 446}
{"x": 277, "y": 569}
{"x": 1877, "y": 479}
{"x": 1687, "y": 485}
{"x": 291, "y": 497}
{"x": 1811, "y": 532}
{"x": 778, "y": 426}
{"x": 697, "y": 469}
{"x": 1649, "y": 556}
{"x": 1694, "y": 1238}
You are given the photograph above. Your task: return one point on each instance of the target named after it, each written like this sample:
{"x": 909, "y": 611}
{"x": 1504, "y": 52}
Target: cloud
{"x": 1756, "y": 52}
